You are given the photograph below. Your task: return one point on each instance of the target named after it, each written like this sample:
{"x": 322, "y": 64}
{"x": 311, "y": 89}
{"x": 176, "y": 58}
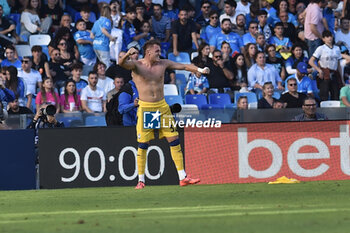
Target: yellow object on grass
{"x": 285, "y": 180}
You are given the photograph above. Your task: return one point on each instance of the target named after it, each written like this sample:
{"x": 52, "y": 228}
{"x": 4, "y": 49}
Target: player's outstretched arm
{"x": 188, "y": 67}
{"x": 127, "y": 63}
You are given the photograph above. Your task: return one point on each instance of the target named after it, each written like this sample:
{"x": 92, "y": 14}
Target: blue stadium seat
{"x": 212, "y": 106}
{"x": 250, "y": 95}
{"x": 181, "y": 78}
{"x": 230, "y": 106}
{"x": 220, "y": 98}
{"x": 172, "y": 99}
{"x": 181, "y": 58}
{"x": 181, "y": 87}
{"x": 164, "y": 48}
{"x": 95, "y": 121}
{"x": 198, "y": 100}
{"x": 276, "y": 95}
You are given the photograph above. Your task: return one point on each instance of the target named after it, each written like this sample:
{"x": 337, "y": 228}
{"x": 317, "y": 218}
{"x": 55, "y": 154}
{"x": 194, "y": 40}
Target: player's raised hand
{"x": 205, "y": 70}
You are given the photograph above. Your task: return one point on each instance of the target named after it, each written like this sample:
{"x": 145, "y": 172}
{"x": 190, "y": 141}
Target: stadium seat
{"x": 164, "y": 48}
{"x": 95, "y": 121}
{"x": 181, "y": 58}
{"x": 330, "y": 104}
{"x": 170, "y": 89}
{"x": 220, "y": 99}
{"x": 39, "y": 39}
{"x": 212, "y": 106}
{"x": 182, "y": 89}
{"x": 23, "y": 50}
{"x": 276, "y": 95}
{"x": 46, "y": 51}
{"x": 250, "y": 96}
{"x": 181, "y": 78}
{"x": 230, "y": 106}
{"x": 198, "y": 100}
{"x": 172, "y": 99}
{"x": 193, "y": 55}
{"x": 253, "y": 105}
{"x": 17, "y": 20}
{"x": 92, "y": 17}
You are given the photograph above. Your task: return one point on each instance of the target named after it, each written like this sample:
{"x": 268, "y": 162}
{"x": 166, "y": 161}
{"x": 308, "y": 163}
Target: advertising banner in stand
{"x": 248, "y": 153}
{"x": 100, "y": 157}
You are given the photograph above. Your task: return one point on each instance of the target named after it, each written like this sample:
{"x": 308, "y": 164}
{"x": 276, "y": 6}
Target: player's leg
{"x": 177, "y": 156}
{"x": 141, "y": 160}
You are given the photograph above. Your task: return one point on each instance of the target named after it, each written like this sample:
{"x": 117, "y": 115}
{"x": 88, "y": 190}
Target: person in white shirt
{"x": 93, "y": 98}
{"x": 230, "y": 11}
{"x": 104, "y": 82}
{"x": 31, "y": 78}
{"x": 343, "y": 35}
{"x": 243, "y": 7}
{"x": 329, "y": 78}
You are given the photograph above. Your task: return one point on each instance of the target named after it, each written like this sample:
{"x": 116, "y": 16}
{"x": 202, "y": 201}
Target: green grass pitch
{"x": 245, "y": 208}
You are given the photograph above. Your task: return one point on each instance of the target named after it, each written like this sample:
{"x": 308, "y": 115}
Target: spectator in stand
{"x": 250, "y": 51}
{"x": 145, "y": 29}
{"x": 282, "y": 7}
{"x": 40, "y": 61}
{"x": 253, "y": 14}
{"x": 293, "y": 98}
{"x": 70, "y": 100}
{"x": 76, "y": 72}
{"x": 148, "y": 5}
{"x": 345, "y": 96}
{"x": 243, "y": 7}
{"x": 59, "y": 72}
{"x": 289, "y": 30}
{"x": 128, "y": 103}
{"x": 11, "y": 58}
{"x": 313, "y": 26}
{"x": 116, "y": 47}
{"x": 31, "y": 23}
{"x": 300, "y": 39}
{"x": 283, "y": 44}
{"x": 31, "y": 78}
{"x": 116, "y": 15}
{"x": 84, "y": 43}
{"x": 16, "y": 109}
{"x": 64, "y": 33}
{"x": 160, "y": 24}
{"x": 242, "y": 103}
{"x": 226, "y": 57}
{"x": 67, "y": 57}
{"x": 346, "y": 9}
{"x": 261, "y": 73}
{"x": 197, "y": 83}
{"x": 104, "y": 82}
{"x": 184, "y": 33}
{"x": 101, "y": 32}
{"x": 117, "y": 69}
{"x": 14, "y": 83}
{"x": 8, "y": 35}
{"x": 310, "y": 114}
{"x": 53, "y": 10}
{"x": 47, "y": 95}
{"x": 229, "y": 11}
{"x": 6, "y": 95}
{"x": 343, "y": 35}
{"x": 203, "y": 18}
{"x": 140, "y": 16}
{"x": 263, "y": 27}
{"x": 6, "y": 7}
{"x": 328, "y": 15}
{"x": 329, "y": 78}
{"x": 203, "y": 55}
{"x": 66, "y": 21}
{"x": 250, "y": 37}
{"x": 261, "y": 42}
{"x": 170, "y": 10}
{"x": 213, "y": 28}
{"x": 227, "y": 35}
{"x": 240, "y": 72}
{"x": 278, "y": 63}
{"x": 267, "y": 6}
{"x": 267, "y": 100}
{"x": 85, "y": 15}
{"x": 93, "y": 98}
{"x": 239, "y": 27}
{"x": 303, "y": 81}
{"x": 219, "y": 75}
{"x": 118, "y": 83}
{"x": 297, "y": 56}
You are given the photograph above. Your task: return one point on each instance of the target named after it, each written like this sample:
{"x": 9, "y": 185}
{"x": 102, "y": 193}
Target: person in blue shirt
{"x": 170, "y": 10}
{"x": 84, "y": 42}
{"x": 6, "y": 95}
{"x": 14, "y": 83}
{"x": 328, "y": 15}
{"x": 197, "y": 83}
{"x": 250, "y": 37}
{"x": 146, "y": 30}
{"x": 303, "y": 81}
{"x": 10, "y": 59}
{"x": 102, "y": 35}
{"x": 128, "y": 103}
{"x": 227, "y": 35}
{"x": 283, "y": 44}
{"x": 213, "y": 28}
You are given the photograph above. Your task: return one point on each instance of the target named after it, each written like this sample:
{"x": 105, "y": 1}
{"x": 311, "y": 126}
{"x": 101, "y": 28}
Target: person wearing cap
{"x": 304, "y": 83}
{"x": 292, "y": 98}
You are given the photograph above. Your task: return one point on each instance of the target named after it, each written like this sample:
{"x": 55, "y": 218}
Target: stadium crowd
{"x": 281, "y": 50}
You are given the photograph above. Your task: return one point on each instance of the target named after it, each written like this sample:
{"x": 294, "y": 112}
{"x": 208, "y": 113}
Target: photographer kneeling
{"x": 44, "y": 118}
